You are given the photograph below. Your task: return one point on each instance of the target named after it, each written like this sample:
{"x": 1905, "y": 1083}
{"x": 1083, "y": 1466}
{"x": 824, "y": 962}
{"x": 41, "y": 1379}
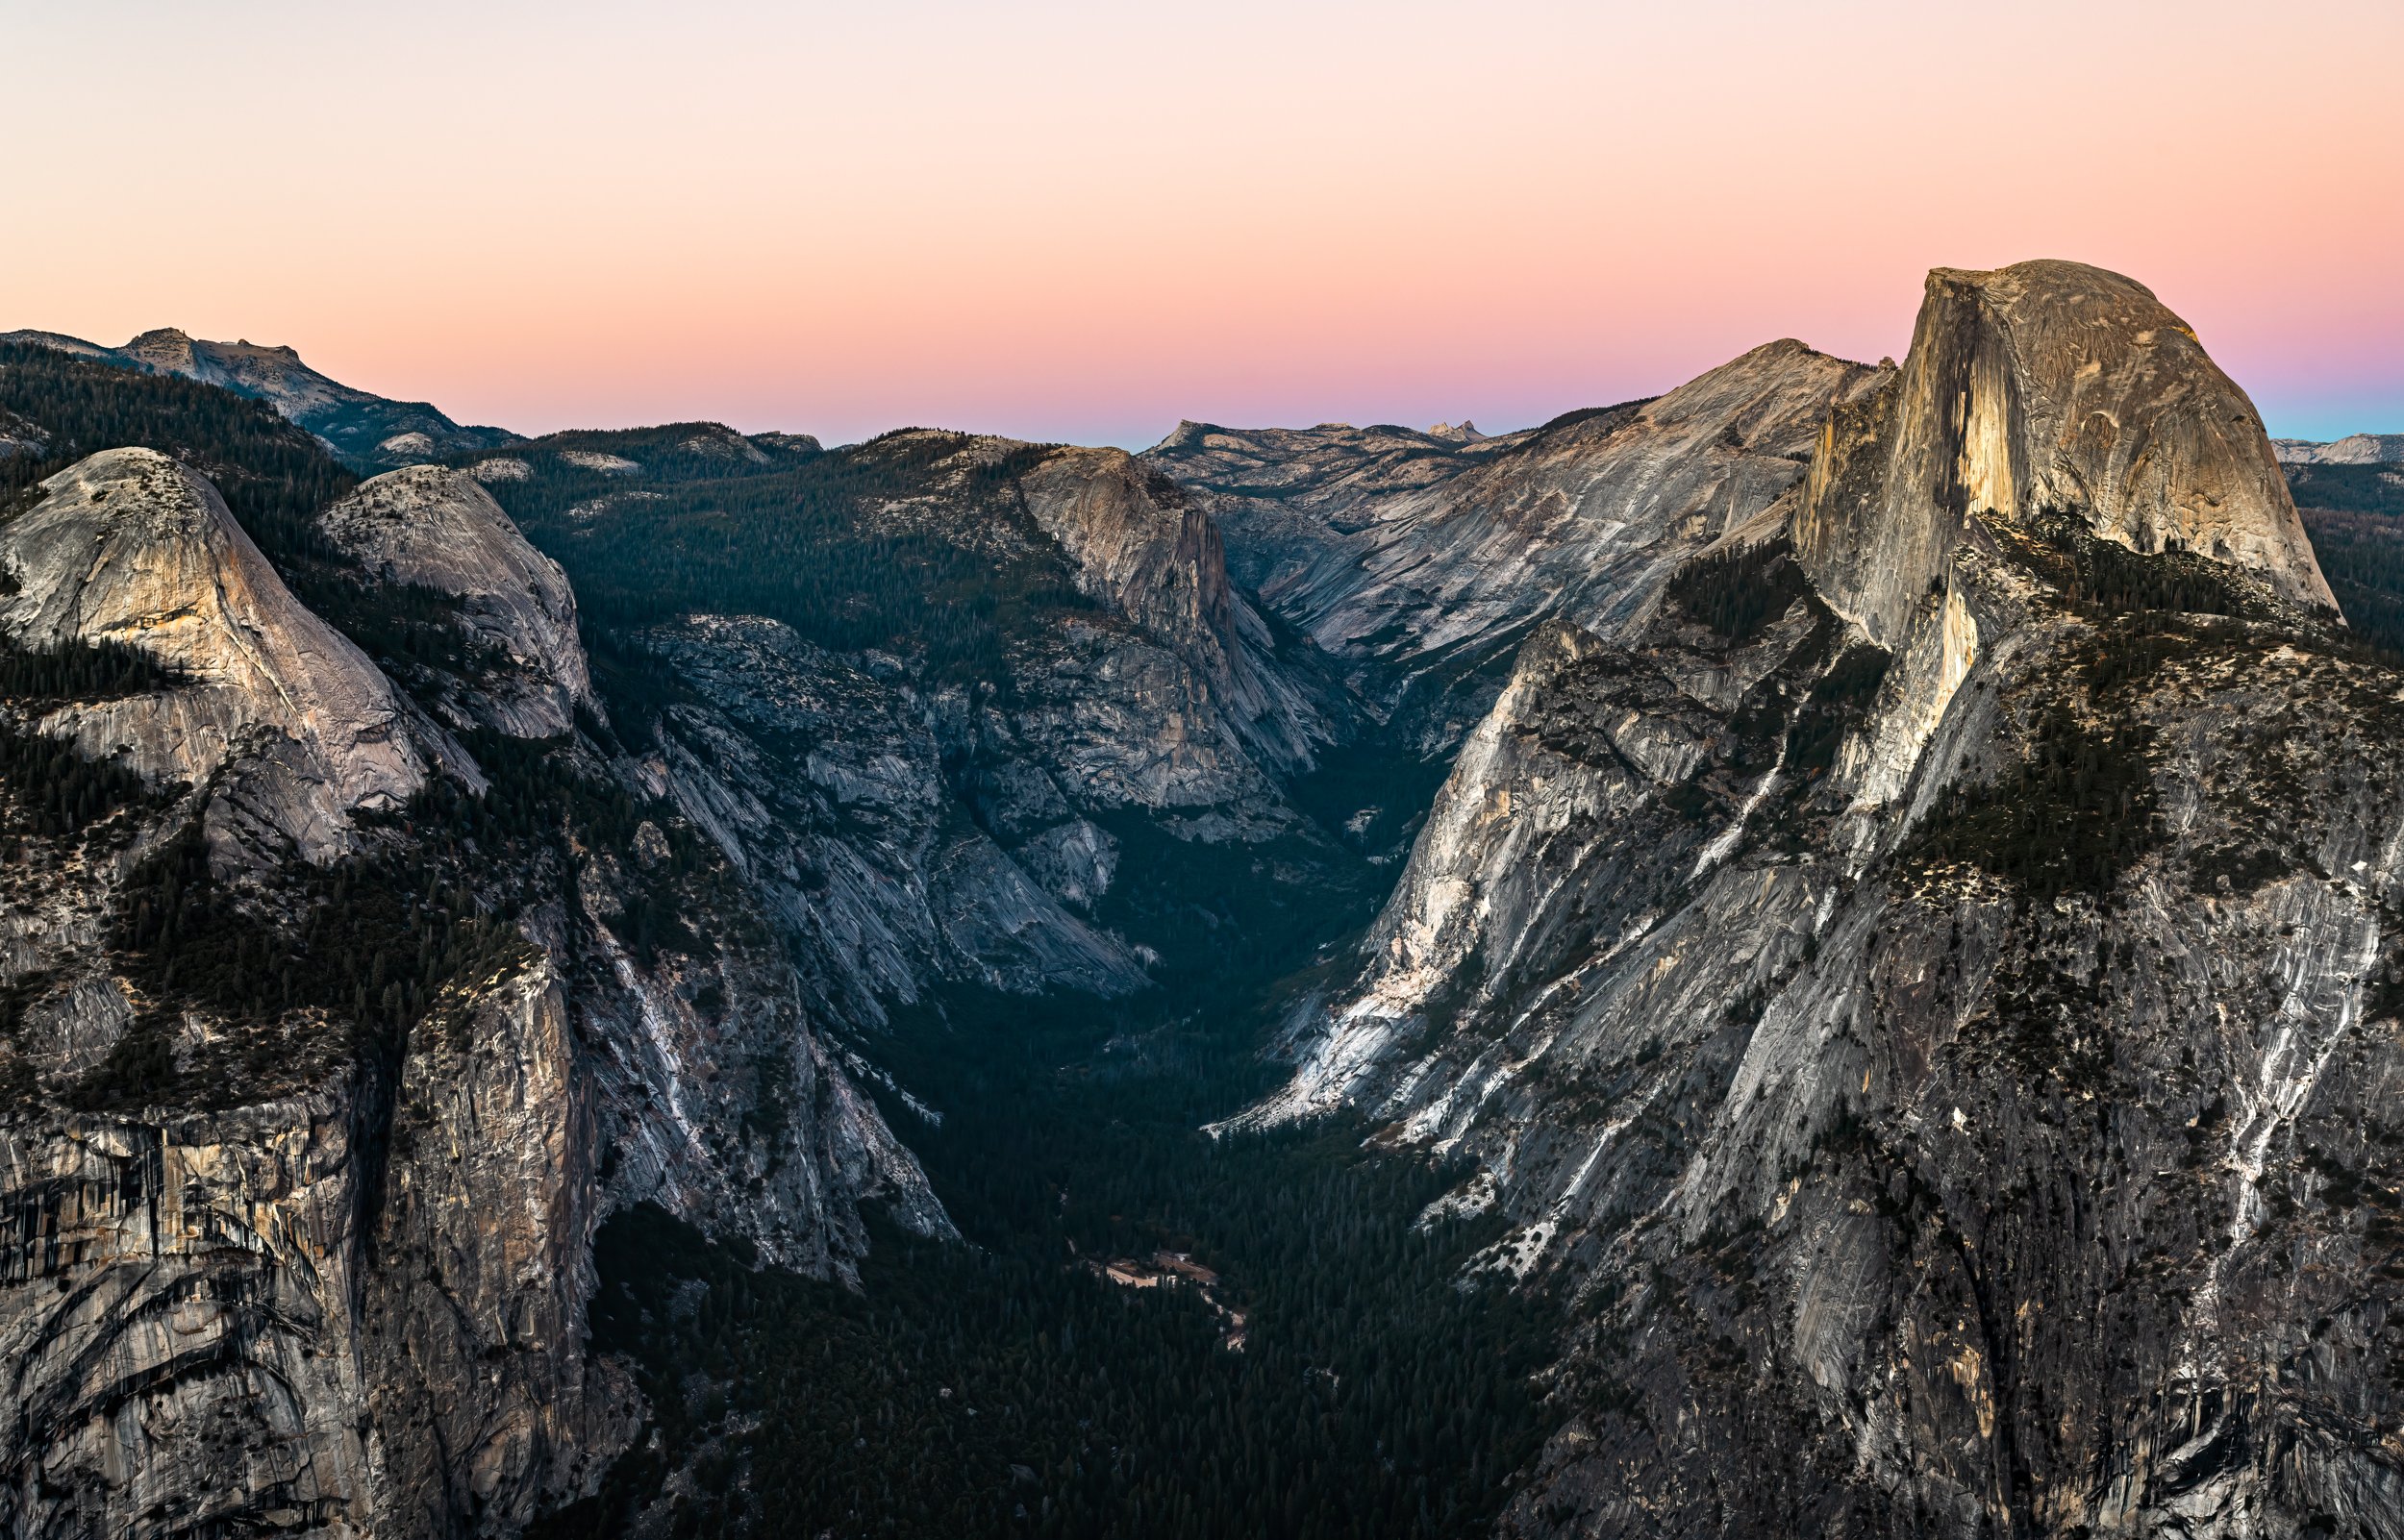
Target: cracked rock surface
{"x": 430, "y": 527}
{"x": 1924, "y": 981}
{"x": 271, "y": 1266}
{"x": 132, "y": 549}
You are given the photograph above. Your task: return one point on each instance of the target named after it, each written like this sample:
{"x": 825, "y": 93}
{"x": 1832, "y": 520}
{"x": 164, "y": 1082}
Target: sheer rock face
{"x": 1157, "y": 557}
{"x": 1954, "y": 1079}
{"x": 317, "y": 1286}
{"x": 176, "y": 1322}
{"x": 1285, "y": 498}
{"x": 215, "y": 1320}
{"x": 2046, "y": 385}
{"x": 481, "y": 1267}
{"x": 128, "y": 546}
{"x": 825, "y": 784}
{"x": 1422, "y": 562}
{"x": 432, "y": 526}
{"x": 357, "y": 1310}
{"x": 714, "y": 1091}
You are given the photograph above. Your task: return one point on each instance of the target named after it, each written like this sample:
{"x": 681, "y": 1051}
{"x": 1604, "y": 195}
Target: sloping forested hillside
{"x": 2355, "y": 514}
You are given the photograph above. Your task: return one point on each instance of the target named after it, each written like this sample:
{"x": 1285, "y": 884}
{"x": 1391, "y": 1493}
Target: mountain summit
{"x": 2354, "y": 449}
{"x": 1920, "y": 979}
{"x": 2045, "y": 386}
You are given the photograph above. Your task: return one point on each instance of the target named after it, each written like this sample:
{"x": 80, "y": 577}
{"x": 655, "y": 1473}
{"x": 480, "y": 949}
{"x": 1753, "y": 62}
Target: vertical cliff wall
{"x": 1924, "y": 988}
{"x": 323, "y": 1051}
{"x": 2045, "y": 386}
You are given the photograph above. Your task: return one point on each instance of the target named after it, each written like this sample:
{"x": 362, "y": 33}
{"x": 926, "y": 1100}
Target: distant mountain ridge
{"x": 1421, "y": 563}
{"x": 370, "y": 432}
{"x": 2354, "y": 449}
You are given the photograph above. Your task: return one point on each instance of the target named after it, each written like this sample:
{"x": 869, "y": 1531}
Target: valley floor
{"x": 1008, "y": 1386}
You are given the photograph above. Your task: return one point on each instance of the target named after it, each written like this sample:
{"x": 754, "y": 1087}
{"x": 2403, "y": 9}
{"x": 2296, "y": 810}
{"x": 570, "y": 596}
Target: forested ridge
{"x": 2354, "y": 516}
{"x": 273, "y": 476}
{"x": 809, "y": 544}
{"x": 671, "y": 451}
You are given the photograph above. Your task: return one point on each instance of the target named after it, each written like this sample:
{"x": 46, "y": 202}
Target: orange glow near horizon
{"x": 1071, "y": 221}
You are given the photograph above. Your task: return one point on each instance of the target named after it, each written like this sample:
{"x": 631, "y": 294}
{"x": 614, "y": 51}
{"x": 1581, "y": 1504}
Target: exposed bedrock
{"x": 430, "y": 527}
{"x": 2047, "y": 386}
{"x": 290, "y": 719}
{"x": 1923, "y": 985}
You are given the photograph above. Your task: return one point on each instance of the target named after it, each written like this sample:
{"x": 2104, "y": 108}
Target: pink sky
{"x": 1084, "y": 221}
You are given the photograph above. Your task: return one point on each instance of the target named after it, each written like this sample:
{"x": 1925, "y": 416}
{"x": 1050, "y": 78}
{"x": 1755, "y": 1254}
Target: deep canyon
{"x": 1821, "y": 954}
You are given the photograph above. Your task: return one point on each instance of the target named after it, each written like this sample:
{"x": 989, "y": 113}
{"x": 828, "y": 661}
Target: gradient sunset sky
{"x": 1083, "y": 222}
